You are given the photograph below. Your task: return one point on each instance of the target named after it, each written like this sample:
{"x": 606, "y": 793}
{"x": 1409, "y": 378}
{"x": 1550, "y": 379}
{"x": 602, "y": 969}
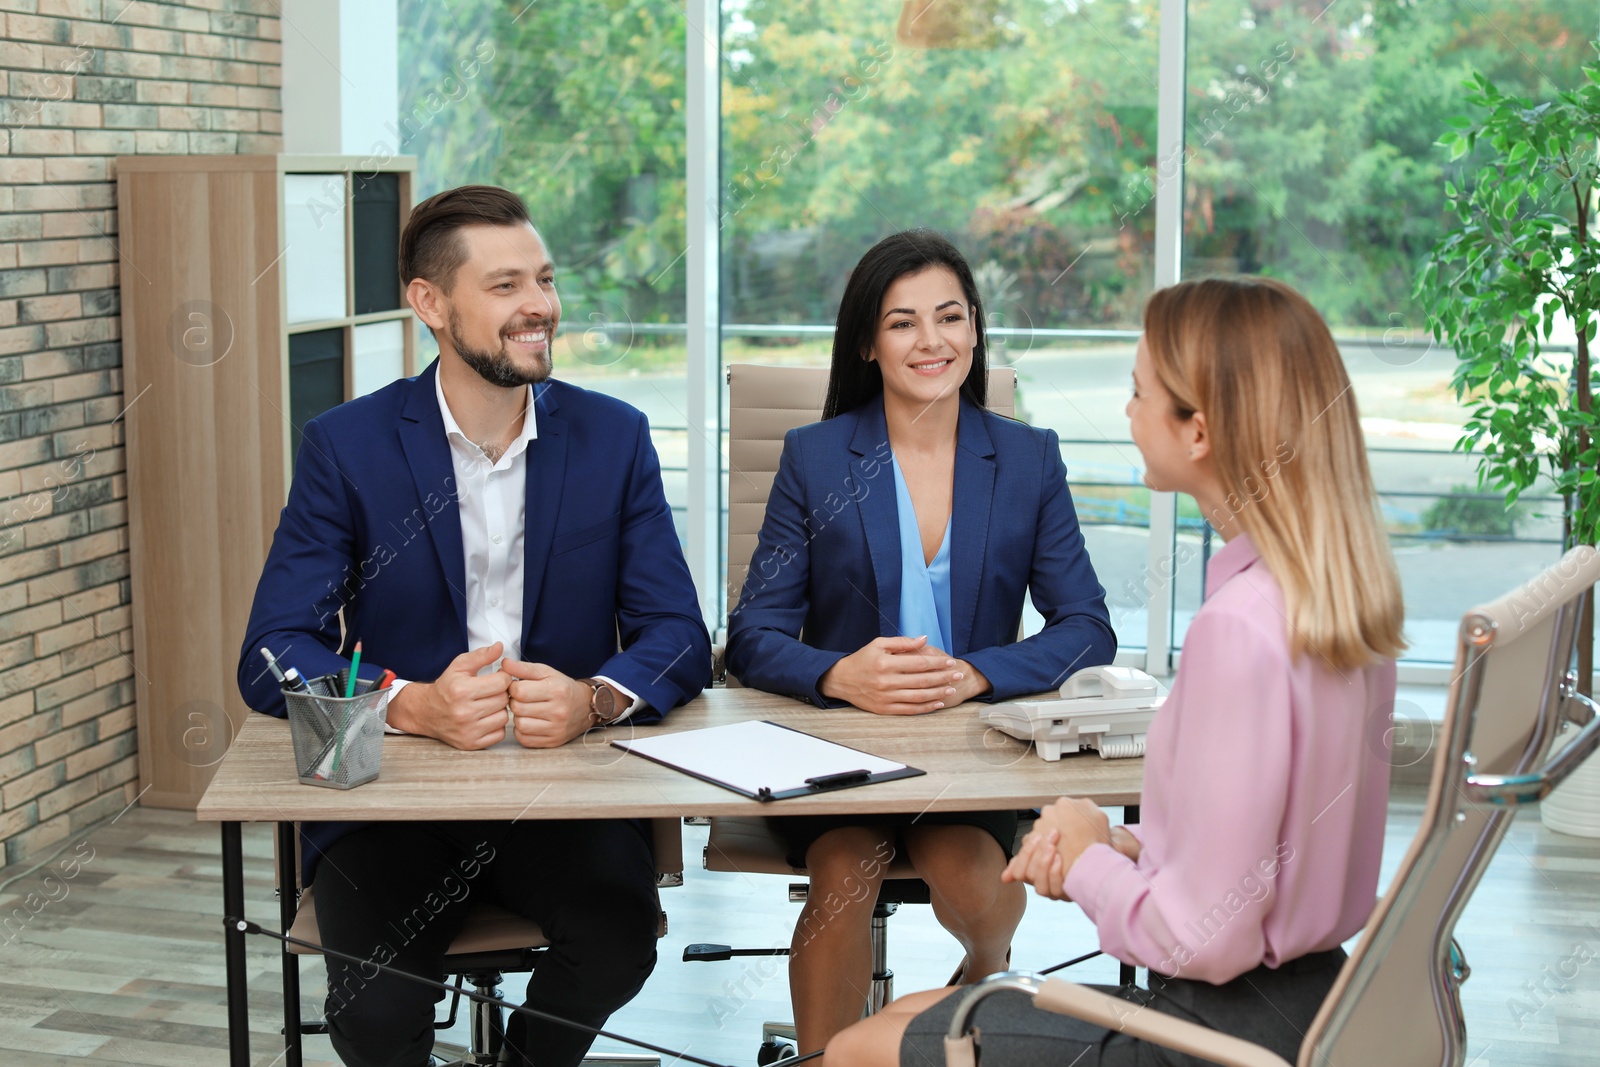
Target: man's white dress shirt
{"x": 493, "y": 499}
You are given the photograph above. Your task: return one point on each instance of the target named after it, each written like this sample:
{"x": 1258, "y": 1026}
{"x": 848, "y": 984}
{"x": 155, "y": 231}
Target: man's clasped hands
{"x": 468, "y": 710}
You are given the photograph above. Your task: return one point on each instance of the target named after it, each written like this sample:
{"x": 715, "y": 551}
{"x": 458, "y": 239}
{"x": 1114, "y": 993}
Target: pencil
{"x": 344, "y": 720}
{"x": 355, "y": 663}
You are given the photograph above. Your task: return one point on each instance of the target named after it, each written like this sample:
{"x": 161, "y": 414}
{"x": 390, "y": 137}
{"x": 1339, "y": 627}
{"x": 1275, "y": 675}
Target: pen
{"x": 828, "y": 781}
{"x": 323, "y": 761}
{"x": 294, "y": 682}
{"x": 272, "y": 665}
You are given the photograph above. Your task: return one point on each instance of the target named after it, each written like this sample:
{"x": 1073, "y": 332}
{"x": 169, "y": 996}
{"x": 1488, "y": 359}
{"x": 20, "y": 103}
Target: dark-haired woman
{"x": 901, "y": 537}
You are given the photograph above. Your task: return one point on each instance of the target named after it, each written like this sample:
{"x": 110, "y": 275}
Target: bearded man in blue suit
{"x": 502, "y": 542}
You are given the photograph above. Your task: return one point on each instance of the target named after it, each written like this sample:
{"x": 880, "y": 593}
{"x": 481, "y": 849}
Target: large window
{"x": 1310, "y": 157}
{"x": 1027, "y": 131}
{"x": 577, "y": 106}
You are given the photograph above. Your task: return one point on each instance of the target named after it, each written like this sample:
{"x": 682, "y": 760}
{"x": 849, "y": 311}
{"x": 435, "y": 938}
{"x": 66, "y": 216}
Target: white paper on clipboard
{"x": 757, "y": 756}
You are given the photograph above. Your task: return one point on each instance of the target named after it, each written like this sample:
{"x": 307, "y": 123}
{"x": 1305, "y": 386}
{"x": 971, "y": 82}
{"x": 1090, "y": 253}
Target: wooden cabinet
{"x": 257, "y": 292}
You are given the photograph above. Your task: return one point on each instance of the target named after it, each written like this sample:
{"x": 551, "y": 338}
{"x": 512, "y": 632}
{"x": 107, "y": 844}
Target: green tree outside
{"x": 1027, "y": 133}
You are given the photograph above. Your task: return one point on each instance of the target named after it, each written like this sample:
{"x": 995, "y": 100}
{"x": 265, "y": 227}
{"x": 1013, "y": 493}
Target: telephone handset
{"x": 1111, "y": 683}
{"x": 1106, "y": 709}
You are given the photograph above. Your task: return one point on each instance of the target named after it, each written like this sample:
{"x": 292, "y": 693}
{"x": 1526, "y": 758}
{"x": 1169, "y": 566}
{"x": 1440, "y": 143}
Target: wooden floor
{"x": 116, "y": 958}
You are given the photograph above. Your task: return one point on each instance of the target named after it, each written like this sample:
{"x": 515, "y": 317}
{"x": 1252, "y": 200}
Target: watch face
{"x": 602, "y": 703}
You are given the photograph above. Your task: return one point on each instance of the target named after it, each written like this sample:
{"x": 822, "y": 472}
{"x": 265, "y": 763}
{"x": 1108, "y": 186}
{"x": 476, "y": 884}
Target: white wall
{"x": 341, "y": 85}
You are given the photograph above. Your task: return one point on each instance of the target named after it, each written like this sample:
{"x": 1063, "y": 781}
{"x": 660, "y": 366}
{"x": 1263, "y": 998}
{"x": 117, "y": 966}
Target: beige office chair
{"x": 494, "y": 942}
{"x": 764, "y": 404}
{"x": 1396, "y": 1001}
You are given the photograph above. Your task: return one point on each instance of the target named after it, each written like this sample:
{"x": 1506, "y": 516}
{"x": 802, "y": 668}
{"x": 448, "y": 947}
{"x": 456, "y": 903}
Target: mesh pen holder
{"x": 338, "y": 742}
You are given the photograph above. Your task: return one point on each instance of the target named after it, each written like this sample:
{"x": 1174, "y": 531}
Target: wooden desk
{"x": 968, "y": 767}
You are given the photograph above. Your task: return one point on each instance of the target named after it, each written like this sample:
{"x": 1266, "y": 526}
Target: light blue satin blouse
{"x": 924, "y": 587}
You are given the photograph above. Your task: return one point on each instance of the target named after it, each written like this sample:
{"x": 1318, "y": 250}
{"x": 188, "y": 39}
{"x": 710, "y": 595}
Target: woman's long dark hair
{"x": 854, "y": 380}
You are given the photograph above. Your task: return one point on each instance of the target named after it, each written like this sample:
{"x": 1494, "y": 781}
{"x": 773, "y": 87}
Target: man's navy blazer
{"x": 372, "y": 525}
{"x": 827, "y": 567}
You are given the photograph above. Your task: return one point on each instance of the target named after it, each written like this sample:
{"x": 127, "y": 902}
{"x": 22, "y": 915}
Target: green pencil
{"x": 344, "y": 720}
{"x": 355, "y": 663}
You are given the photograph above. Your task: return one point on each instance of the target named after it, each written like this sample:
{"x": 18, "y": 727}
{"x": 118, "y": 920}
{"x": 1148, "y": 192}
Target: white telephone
{"x": 1107, "y": 709}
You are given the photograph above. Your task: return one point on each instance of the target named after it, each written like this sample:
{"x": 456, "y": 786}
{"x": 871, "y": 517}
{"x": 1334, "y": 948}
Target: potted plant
{"x": 1514, "y": 289}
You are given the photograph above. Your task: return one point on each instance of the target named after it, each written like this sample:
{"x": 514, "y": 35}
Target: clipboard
{"x": 765, "y": 760}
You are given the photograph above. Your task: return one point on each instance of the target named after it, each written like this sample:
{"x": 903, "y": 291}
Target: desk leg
{"x": 233, "y": 946}
{"x": 288, "y": 904}
{"x": 1130, "y": 816}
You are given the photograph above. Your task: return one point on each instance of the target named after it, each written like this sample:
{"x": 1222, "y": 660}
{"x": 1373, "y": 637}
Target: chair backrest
{"x": 764, "y": 403}
{"x": 1397, "y": 998}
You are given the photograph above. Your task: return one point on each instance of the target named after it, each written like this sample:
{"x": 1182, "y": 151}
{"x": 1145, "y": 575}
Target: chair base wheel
{"x": 774, "y": 1052}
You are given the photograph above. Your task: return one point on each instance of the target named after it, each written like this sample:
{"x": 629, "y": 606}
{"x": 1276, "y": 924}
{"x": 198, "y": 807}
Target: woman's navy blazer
{"x": 825, "y": 577}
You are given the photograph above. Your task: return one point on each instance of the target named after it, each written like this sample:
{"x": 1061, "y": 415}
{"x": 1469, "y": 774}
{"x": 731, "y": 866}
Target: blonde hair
{"x": 1255, "y": 357}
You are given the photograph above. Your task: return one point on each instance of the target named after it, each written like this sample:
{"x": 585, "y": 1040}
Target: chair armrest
{"x": 1502, "y": 790}
{"x": 1147, "y": 1024}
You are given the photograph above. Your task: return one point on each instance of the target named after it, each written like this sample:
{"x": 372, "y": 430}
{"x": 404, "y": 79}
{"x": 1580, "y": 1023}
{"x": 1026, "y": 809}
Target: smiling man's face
{"x": 502, "y": 312}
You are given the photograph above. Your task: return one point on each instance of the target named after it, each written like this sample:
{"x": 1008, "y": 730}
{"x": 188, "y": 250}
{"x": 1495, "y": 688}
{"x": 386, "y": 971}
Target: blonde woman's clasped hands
{"x": 1063, "y": 832}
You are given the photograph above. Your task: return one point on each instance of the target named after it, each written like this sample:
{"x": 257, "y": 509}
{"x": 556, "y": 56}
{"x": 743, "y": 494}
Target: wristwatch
{"x": 603, "y": 710}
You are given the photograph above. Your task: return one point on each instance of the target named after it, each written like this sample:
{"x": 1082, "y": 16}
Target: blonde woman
{"x": 1263, "y": 808}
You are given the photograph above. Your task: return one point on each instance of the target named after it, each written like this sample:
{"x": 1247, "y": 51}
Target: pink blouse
{"x": 1266, "y": 782}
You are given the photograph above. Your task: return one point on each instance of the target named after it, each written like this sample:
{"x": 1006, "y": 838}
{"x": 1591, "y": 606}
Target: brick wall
{"x": 81, "y": 82}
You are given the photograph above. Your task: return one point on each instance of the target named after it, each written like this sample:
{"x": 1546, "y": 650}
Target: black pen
{"x": 828, "y": 781}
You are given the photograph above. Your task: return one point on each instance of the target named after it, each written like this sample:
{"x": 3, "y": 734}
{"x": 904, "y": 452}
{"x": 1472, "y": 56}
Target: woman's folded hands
{"x": 1063, "y": 832}
{"x": 902, "y": 676}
